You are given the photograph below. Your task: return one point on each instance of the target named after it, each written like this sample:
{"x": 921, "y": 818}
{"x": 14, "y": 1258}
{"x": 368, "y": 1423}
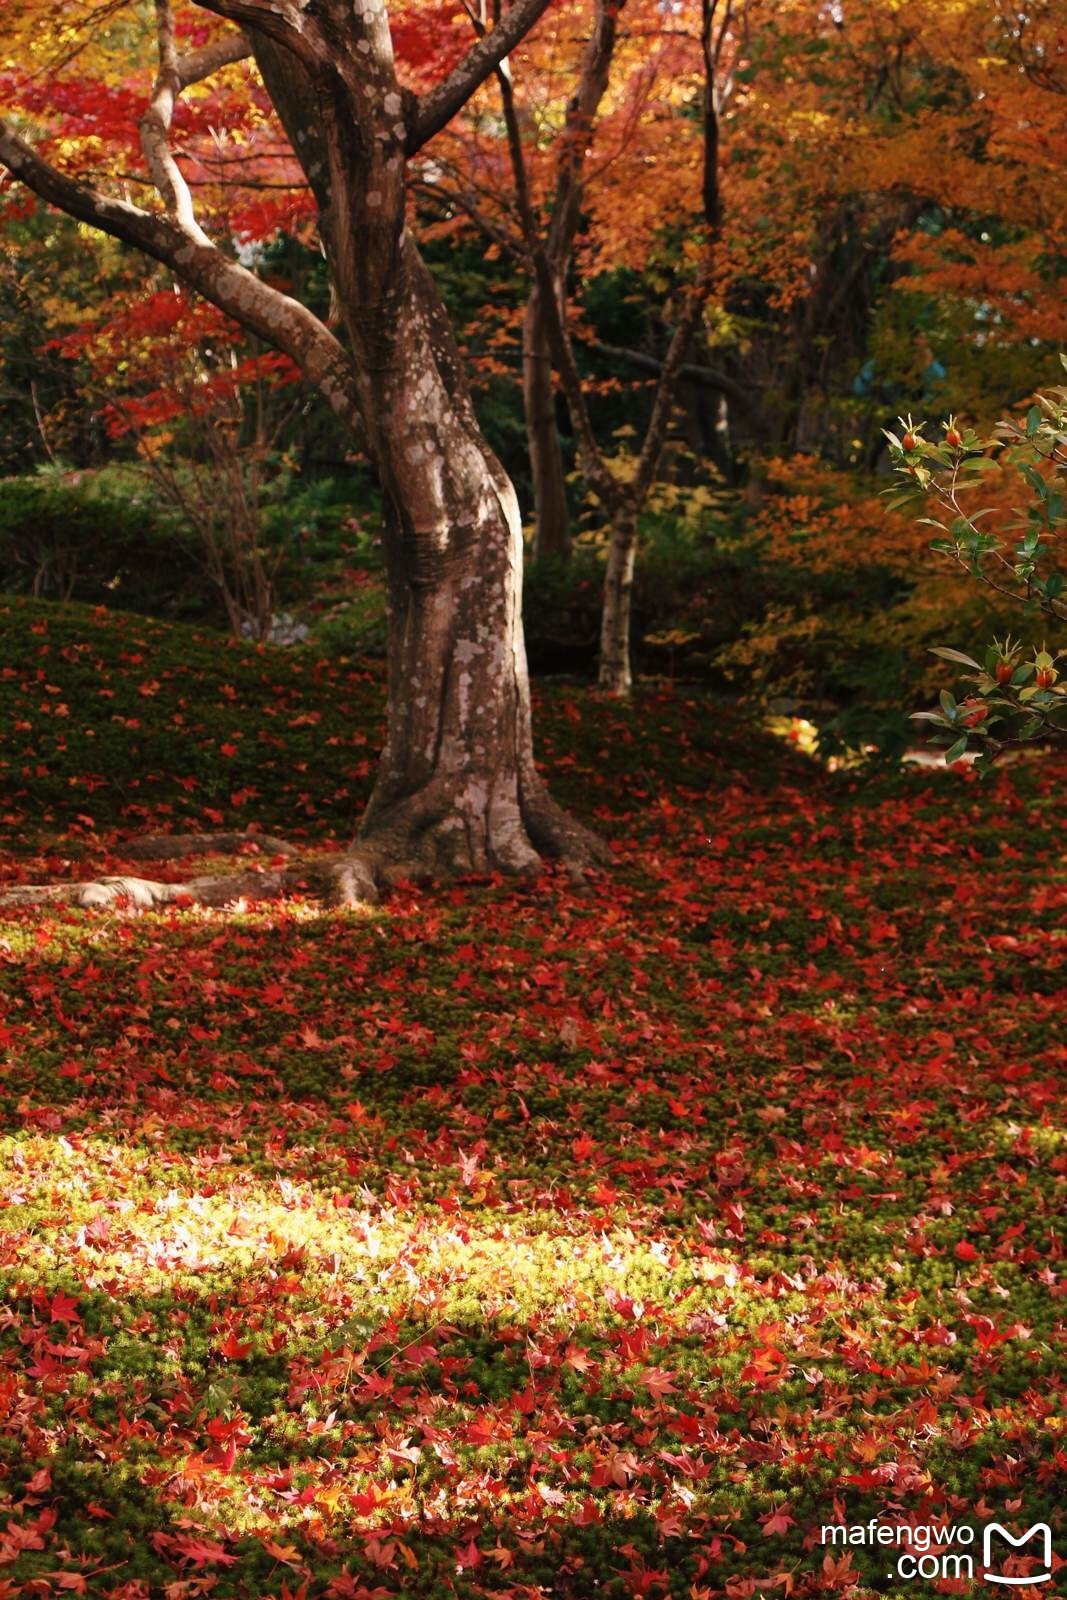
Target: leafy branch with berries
{"x": 1017, "y": 696}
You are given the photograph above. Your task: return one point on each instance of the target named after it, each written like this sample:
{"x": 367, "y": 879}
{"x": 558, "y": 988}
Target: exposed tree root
{"x": 420, "y": 842}
{"x": 338, "y": 880}
{"x": 556, "y": 834}
{"x": 180, "y": 846}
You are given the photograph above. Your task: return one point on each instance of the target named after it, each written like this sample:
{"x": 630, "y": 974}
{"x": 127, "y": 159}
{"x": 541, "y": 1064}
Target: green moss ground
{"x": 511, "y": 1240}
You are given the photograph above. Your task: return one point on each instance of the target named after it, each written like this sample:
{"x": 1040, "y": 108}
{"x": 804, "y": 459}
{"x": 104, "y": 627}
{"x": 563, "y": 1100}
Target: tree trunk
{"x": 721, "y": 444}
{"x": 552, "y": 534}
{"x": 457, "y": 790}
{"x": 615, "y": 673}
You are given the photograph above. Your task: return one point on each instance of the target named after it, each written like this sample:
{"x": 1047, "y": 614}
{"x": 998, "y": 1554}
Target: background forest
{"x": 889, "y": 182}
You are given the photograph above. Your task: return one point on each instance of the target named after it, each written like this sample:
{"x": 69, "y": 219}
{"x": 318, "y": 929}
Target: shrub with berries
{"x": 1016, "y": 695}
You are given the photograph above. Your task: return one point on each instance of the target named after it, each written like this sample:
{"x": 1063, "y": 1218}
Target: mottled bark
{"x": 552, "y": 533}
{"x": 457, "y": 789}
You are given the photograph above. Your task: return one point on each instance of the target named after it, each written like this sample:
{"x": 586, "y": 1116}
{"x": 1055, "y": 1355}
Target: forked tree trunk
{"x": 552, "y": 528}
{"x": 552, "y": 533}
{"x": 457, "y": 789}
{"x": 616, "y": 675}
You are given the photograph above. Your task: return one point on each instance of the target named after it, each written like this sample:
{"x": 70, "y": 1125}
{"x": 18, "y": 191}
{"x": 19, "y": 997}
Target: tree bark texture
{"x": 616, "y": 676}
{"x": 552, "y": 533}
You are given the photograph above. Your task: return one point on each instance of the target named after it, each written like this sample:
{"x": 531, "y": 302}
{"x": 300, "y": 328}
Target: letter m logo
{"x": 1041, "y": 1528}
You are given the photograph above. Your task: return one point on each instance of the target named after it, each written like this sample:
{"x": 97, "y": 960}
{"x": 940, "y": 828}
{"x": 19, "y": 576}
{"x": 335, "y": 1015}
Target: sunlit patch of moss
{"x": 1032, "y": 1140}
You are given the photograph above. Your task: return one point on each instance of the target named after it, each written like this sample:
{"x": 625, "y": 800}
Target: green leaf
{"x": 956, "y": 751}
{"x": 907, "y": 497}
{"x": 1035, "y": 480}
{"x": 947, "y": 654}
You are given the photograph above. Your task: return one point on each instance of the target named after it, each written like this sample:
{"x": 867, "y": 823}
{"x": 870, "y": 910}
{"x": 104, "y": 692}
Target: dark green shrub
{"x": 358, "y": 623}
{"x": 694, "y": 589}
{"x": 68, "y": 538}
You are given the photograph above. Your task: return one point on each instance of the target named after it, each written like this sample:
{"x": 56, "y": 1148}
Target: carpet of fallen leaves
{"x": 510, "y": 1240}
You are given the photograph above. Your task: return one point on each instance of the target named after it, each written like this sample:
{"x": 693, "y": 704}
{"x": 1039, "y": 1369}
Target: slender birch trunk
{"x": 615, "y": 673}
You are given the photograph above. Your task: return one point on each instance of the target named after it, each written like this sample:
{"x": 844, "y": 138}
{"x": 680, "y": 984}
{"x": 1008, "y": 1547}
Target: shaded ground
{"x": 512, "y": 1240}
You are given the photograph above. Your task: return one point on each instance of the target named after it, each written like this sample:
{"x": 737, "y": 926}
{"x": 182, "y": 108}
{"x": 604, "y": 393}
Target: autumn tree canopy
{"x": 882, "y": 183}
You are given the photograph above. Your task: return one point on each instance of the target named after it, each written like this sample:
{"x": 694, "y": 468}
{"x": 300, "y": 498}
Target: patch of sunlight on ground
{"x": 161, "y": 1255}
{"x": 112, "y": 1215}
{"x": 56, "y": 933}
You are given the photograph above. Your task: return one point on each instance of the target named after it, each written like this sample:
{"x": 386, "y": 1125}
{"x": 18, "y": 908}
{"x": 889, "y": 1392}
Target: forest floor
{"x": 509, "y": 1239}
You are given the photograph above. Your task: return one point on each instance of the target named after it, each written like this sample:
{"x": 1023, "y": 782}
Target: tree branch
{"x": 435, "y": 109}
{"x": 463, "y": 202}
{"x": 710, "y": 377}
{"x": 548, "y": 255}
{"x": 713, "y": 44}
{"x": 197, "y": 65}
{"x": 693, "y": 308}
{"x": 280, "y": 20}
{"x": 281, "y": 322}
{"x": 595, "y": 468}
{"x": 155, "y": 129}
{"x": 663, "y": 406}
{"x": 578, "y": 125}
